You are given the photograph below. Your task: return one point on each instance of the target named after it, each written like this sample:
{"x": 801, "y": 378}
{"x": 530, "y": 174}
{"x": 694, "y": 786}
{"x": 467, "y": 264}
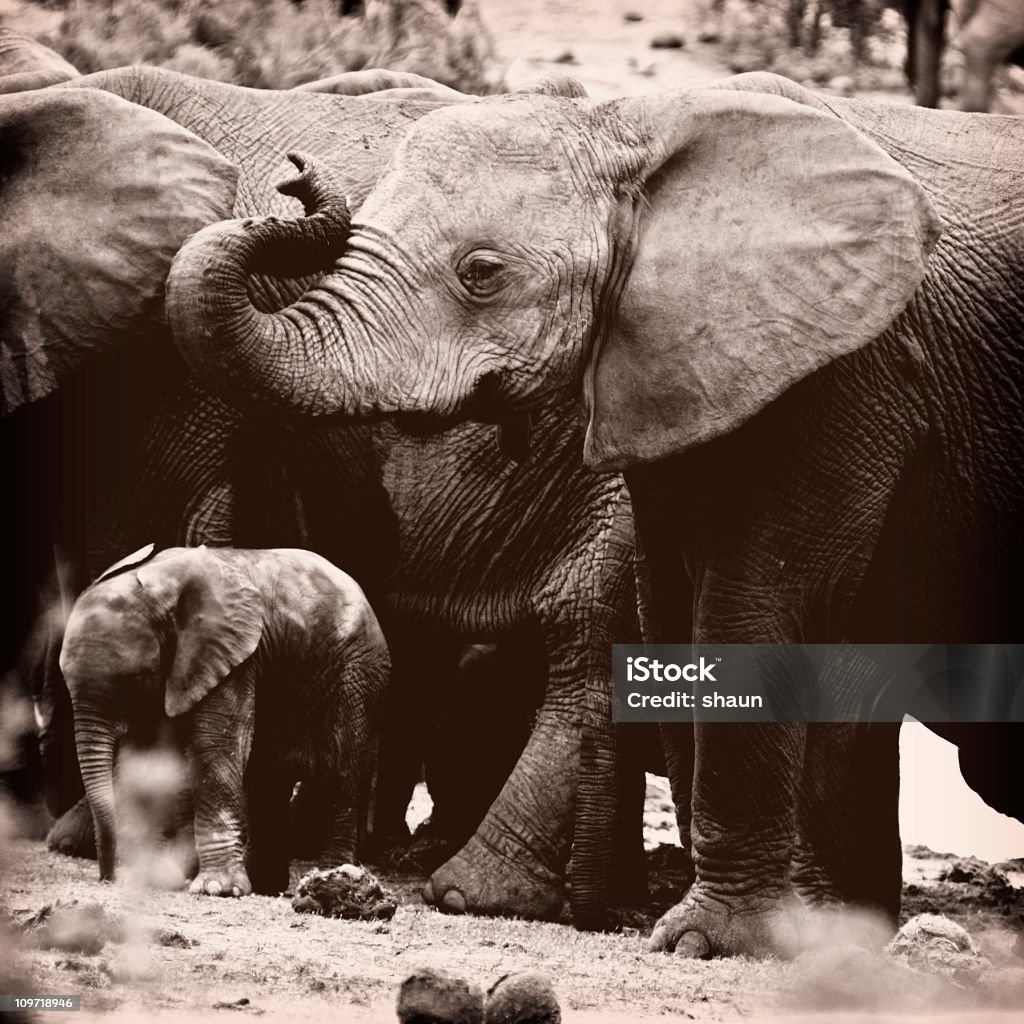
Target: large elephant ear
{"x": 214, "y": 615}
{"x": 96, "y": 196}
{"x": 765, "y": 238}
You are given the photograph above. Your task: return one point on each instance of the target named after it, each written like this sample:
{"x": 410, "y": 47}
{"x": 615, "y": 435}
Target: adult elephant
{"x": 991, "y": 34}
{"x": 451, "y": 538}
{"x": 806, "y": 386}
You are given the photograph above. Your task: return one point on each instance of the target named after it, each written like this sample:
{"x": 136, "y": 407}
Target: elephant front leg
{"x": 514, "y": 865}
{"x": 744, "y": 822}
{"x": 515, "y": 862}
{"x": 221, "y": 741}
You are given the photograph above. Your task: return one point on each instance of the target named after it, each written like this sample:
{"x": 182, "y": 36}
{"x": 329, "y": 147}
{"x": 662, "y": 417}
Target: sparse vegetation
{"x": 850, "y": 45}
{"x": 277, "y": 44}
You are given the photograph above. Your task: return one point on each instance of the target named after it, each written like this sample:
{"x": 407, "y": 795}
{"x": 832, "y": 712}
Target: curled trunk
{"x": 310, "y": 357}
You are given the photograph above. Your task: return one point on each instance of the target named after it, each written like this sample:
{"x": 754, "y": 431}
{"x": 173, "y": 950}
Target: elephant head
{"x": 145, "y": 640}
{"x": 681, "y": 259}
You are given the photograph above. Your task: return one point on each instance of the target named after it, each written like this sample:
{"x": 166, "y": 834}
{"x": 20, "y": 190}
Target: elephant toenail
{"x": 213, "y": 888}
{"x": 454, "y": 902}
{"x": 428, "y": 894}
{"x": 693, "y": 946}
{"x": 235, "y": 891}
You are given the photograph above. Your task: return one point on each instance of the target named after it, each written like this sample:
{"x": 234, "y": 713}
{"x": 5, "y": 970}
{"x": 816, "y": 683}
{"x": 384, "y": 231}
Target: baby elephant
{"x": 268, "y": 666}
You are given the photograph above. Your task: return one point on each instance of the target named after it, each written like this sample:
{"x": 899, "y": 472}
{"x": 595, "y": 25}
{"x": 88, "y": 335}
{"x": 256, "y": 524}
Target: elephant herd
{"x": 724, "y": 365}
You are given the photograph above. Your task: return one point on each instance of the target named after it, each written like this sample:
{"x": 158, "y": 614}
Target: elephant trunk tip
{"x": 315, "y": 187}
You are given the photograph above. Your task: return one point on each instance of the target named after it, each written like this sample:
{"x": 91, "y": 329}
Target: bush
{"x": 277, "y": 44}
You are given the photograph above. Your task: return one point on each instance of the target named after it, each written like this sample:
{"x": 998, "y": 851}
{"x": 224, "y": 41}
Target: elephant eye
{"x": 481, "y": 275}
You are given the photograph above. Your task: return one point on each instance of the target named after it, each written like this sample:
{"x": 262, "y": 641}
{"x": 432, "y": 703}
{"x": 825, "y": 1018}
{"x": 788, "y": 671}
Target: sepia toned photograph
{"x": 514, "y": 511}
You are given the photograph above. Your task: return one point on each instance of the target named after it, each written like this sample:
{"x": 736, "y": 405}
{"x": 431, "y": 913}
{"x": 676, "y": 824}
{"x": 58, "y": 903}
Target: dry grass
{"x": 276, "y": 44}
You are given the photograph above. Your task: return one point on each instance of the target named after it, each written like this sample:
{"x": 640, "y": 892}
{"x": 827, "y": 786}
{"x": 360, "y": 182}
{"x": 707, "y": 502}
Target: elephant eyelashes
{"x": 481, "y": 275}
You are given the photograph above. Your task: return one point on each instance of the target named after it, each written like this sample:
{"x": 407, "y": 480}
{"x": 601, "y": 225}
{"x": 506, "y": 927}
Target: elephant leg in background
{"x": 990, "y": 37}
{"x": 926, "y": 37}
{"x": 220, "y": 742}
{"x": 515, "y": 862}
{"x": 270, "y": 844}
{"x": 421, "y": 670}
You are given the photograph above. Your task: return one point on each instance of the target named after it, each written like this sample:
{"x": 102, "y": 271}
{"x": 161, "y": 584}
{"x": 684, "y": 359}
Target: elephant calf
{"x": 269, "y": 667}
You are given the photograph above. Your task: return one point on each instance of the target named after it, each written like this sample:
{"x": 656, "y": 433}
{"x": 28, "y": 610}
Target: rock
{"x": 349, "y": 892}
{"x": 632, "y": 16}
{"x": 709, "y": 33}
{"x": 565, "y": 57}
{"x": 429, "y": 995}
{"x": 933, "y": 943}
{"x": 525, "y": 998}
{"x": 668, "y": 41}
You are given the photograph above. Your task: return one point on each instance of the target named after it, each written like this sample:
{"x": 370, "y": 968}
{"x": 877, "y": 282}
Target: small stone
{"x": 565, "y": 57}
{"x": 632, "y": 16}
{"x": 440, "y": 998}
{"x": 525, "y": 998}
{"x": 709, "y": 34}
{"x": 174, "y": 939}
{"x": 668, "y": 41}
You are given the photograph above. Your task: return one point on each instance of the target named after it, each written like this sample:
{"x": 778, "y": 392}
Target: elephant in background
{"x": 991, "y": 33}
{"x": 799, "y": 365}
{"x": 451, "y": 537}
{"x": 273, "y": 666}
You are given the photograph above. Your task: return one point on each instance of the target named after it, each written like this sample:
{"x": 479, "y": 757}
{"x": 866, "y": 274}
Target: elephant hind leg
{"x": 72, "y": 833}
{"x": 268, "y": 791}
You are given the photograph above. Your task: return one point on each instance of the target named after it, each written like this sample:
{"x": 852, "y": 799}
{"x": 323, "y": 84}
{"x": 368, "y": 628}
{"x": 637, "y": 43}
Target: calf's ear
{"x": 214, "y": 617}
{"x": 766, "y": 238}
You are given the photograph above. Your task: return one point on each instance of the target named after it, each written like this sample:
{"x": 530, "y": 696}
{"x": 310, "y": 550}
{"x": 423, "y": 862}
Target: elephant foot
{"x": 706, "y": 925}
{"x": 72, "y": 833}
{"x": 229, "y": 881}
{"x": 476, "y": 881}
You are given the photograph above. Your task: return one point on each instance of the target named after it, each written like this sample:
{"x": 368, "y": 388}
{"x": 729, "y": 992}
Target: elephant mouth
{"x": 425, "y": 424}
{"x": 483, "y": 404}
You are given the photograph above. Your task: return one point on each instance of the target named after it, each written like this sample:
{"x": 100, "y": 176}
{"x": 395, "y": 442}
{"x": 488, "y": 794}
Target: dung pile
{"x": 349, "y": 892}
{"x": 437, "y": 997}
{"x": 933, "y": 943}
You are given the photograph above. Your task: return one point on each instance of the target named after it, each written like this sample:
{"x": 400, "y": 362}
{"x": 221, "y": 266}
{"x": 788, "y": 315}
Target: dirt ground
{"x": 186, "y": 957}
